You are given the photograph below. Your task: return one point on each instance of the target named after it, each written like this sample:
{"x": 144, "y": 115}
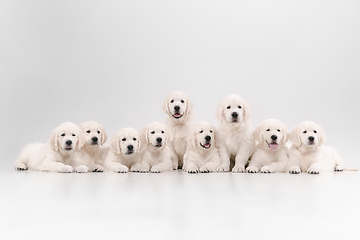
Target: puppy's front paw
{"x": 237, "y": 169}
{"x": 267, "y": 169}
{"x": 252, "y": 169}
{"x": 135, "y": 168}
{"x": 223, "y": 169}
{"x": 294, "y": 170}
{"x": 122, "y": 169}
{"x": 98, "y": 168}
{"x": 193, "y": 170}
{"x": 339, "y": 168}
{"x": 204, "y": 169}
{"x": 66, "y": 169}
{"x": 156, "y": 169}
{"x": 313, "y": 170}
{"x": 21, "y": 167}
{"x": 143, "y": 169}
{"x": 175, "y": 167}
{"x": 81, "y": 169}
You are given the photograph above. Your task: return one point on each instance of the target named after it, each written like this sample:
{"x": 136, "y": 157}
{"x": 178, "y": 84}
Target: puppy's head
{"x": 233, "y": 110}
{"x": 178, "y": 106}
{"x": 66, "y": 137}
{"x": 156, "y": 134}
{"x": 203, "y": 136}
{"x": 271, "y": 133}
{"x": 308, "y": 134}
{"x": 126, "y": 141}
{"x": 94, "y": 133}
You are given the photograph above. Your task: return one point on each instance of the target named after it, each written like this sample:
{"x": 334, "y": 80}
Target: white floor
{"x": 176, "y": 205}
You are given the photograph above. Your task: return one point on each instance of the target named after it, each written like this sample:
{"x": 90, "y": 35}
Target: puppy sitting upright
{"x": 124, "y": 153}
{"x": 156, "y": 155}
{"x": 307, "y": 153}
{"x": 202, "y": 153}
{"x": 271, "y": 154}
{"x": 178, "y": 107}
{"x": 95, "y": 136}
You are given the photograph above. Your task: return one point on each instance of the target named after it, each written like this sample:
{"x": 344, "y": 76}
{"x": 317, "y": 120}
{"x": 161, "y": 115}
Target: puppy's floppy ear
{"x": 189, "y": 106}
{"x": 216, "y": 140}
{"x": 166, "y": 108}
{"x": 102, "y": 134}
{"x": 257, "y": 134}
{"x": 115, "y": 144}
{"x": 191, "y": 139}
{"x": 138, "y": 142}
{"x": 53, "y": 140}
{"x": 169, "y": 135}
{"x": 144, "y": 138}
{"x": 81, "y": 141}
{"x": 285, "y": 134}
{"x": 247, "y": 112}
{"x": 295, "y": 136}
{"x": 322, "y": 137}
{"x": 219, "y": 112}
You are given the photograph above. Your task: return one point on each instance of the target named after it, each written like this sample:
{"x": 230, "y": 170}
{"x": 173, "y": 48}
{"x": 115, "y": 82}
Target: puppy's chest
{"x": 232, "y": 143}
{"x": 179, "y": 142}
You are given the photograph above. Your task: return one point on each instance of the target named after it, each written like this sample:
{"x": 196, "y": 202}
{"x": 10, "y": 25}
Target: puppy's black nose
{"x": 207, "y": 138}
{"x": 311, "y": 138}
{"x": 177, "y": 108}
{"x": 159, "y": 140}
{"x": 95, "y": 139}
{"x": 68, "y": 142}
{"x": 273, "y": 137}
{"x": 130, "y": 147}
{"x": 234, "y": 114}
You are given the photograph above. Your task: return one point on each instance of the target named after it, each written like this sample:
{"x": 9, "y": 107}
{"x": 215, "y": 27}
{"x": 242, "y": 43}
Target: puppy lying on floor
{"x": 156, "y": 155}
{"x": 124, "y": 153}
{"x": 307, "y": 153}
{"x": 93, "y": 151}
{"x": 202, "y": 153}
{"x": 271, "y": 154}
{"x": 60, "y": 154}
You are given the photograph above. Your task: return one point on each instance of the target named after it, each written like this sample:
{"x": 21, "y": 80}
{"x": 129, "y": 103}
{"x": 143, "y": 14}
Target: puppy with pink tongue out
{"x": 271, "y": 153}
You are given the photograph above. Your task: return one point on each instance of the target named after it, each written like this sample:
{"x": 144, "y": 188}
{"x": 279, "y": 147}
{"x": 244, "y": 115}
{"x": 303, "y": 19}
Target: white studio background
{"x": 115, "y": 61}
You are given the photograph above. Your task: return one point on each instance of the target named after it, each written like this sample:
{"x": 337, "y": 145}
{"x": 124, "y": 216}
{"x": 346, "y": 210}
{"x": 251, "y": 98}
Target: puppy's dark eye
{"x": 172, "y": 101}
{"x": 201, "y": 131}
{"x": 134, "y": 139}
{"x": 304, "y": 131}
{"x": 98, "y": 132}
{"x": 182, "y": 101}
{"x": 278, "y": 130}
{"x": 162, "y": 132}
{"x": 88, "y": 131}
{"x": 267, "y": 129}
{"x": 73, "y": 135}
{"x": 239, "y": 106}
{"x": 211, "y": 131}
{"x": 63, "y": 134}
{"x": 228, "y": 107}
{"x": 315, "y": 131}
{"x": 153, "y": 132}
{"x": 124, "y": 139}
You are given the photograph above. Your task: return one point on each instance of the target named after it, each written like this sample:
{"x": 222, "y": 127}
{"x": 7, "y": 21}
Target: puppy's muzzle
{"x": 130, "y": 149}
{"x": 68, "y": 146}
{"x": 94, "y": 140}
{"x": 158, "y": 142}
{"x": 311, "y": 140}
{"x": 235, "y": 116}
{"x": 207, "y": 144}
{"x": 273, "y": 145}
{"x": 177, "y": 113}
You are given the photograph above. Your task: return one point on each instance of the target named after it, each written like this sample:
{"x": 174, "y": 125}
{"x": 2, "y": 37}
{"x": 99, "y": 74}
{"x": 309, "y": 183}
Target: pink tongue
{"x": 207, "y": 145}
{"x": 177, "y": 115}
{"x": 273, "y": 146}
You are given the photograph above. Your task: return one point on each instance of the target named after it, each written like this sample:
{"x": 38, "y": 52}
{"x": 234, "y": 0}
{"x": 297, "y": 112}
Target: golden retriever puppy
{"x": 307, "y": 154}
{"x": 179, "y": 108}
{"x": 271, "y": 154}
{"x": 202, "y": 153}
{"x": 237, "y": 143}
{"x": 60, "y": 154}
{"x": 156, "y": 154}
{"x": 124, "y": 153}
{"x": 93, "y": 150}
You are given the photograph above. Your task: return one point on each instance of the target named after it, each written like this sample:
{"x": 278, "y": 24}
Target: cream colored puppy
{"x": 179, "y": 108}
{"x": 237, "y": 143}
{"x": 60, "y": 154}
{"x": 202, "y": 153}
{"x": 156, "y": 155}
{"x": 124, "y": 152}
{"x": 93, "y": 150}
{"x": 271, "y": 154}
{"x": 307, "y": 153}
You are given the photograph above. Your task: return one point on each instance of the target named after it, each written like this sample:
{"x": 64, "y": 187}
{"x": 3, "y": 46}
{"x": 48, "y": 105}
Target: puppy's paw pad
{"x": 156, "y": 169}
{"x": 338, "y": 168}
{"x": 21, "y": 167}
{"x": 266, "y": 169}
{"x": 66, "y": 169}
{"x": 122, "y": 169}
{"x": 252, "y": 170}
{"x": 238, "y": 169}
{"x": 81, "y": 169}
{"x": 313, "y": 170}
{"x": 294, "y": 170}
